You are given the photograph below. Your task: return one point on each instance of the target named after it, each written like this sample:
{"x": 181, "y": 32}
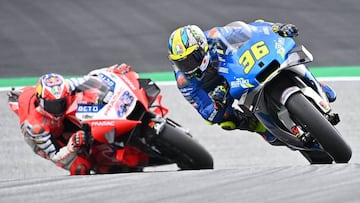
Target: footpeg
{"x": 334, "y": 118}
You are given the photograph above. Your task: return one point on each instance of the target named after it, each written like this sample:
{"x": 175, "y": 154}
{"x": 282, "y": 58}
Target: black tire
{"x": 186, "y": 152}
{"x": 303, "y": 111}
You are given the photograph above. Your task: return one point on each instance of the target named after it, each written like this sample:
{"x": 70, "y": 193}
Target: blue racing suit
{"x": 196, "y": 91}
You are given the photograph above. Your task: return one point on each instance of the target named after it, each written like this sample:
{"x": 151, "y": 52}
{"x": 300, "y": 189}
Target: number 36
{"x": 249, "y": 57}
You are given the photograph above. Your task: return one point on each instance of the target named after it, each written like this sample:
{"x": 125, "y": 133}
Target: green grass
{"x": 346, "y": 71}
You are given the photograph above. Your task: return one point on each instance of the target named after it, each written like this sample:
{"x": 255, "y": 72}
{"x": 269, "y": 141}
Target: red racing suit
{"x": 50, "y": 137}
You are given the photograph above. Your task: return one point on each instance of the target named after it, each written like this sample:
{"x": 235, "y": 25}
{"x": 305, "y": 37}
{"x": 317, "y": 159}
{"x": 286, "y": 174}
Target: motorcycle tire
{"x": 308, "y": 116}
{"x": 186, "y": 152}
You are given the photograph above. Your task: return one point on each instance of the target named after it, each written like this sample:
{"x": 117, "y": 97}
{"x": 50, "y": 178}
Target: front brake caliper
{"x": 158, "y": 124}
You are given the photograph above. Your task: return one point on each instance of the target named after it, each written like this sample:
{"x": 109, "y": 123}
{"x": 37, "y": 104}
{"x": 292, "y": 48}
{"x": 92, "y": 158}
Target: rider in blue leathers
{"x": 194, "y": 57}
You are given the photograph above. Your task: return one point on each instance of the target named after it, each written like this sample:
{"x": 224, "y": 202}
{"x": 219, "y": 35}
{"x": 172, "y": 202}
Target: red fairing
{"x": 14, "y": 106}
{"x": 73, "y": 106}
{"x": 131, "y": 79}
{"x": 100, "y": 128}
{"x": 160, "y": 109}
{"x": 106, "y": 111}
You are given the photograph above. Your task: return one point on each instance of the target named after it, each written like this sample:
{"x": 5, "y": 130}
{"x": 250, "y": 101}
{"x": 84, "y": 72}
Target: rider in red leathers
{"x": 57, "y": 135}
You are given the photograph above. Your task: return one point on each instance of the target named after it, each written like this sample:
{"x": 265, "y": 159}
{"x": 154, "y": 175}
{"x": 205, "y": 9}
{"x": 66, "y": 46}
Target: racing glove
{"x": 218, "y": 95}
{"x": 285, "y": 30}
{"x": 13, "y": 95}
{"x": 79, "y": 139}
{"x": 122, "y": 68}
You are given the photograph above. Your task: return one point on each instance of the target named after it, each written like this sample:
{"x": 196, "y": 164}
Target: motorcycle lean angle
{"x": 270, "y": 83}
{"x": 133, "y": 116}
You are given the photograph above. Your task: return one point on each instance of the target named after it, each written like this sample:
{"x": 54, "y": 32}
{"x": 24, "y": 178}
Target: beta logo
{"x": 88, "y": 108}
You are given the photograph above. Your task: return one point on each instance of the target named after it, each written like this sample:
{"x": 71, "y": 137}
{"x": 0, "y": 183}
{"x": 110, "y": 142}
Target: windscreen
{"x": 234, "y": 35}
{"x": 95, "y": 85}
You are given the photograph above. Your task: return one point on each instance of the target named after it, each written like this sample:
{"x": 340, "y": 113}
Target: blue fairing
{"x": 241, "y": 66}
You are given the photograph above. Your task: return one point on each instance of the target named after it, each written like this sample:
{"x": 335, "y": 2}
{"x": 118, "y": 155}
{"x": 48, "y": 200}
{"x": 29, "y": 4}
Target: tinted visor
{"x": 191, "y": 63}
{"x": 56, "y": 107}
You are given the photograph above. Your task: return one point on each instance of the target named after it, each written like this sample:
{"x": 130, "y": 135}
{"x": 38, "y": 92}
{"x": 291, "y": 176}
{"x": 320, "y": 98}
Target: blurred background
{"x": 73, "y": 37}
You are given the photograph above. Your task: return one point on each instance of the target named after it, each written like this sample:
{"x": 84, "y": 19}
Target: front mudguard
{"x": 321, "y": 103}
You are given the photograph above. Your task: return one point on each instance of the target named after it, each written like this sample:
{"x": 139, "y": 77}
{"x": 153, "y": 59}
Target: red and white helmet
{"x": 52, "y": 93}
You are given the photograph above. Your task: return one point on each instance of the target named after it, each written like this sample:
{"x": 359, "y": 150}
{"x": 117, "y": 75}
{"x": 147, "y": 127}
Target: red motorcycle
{"x": 123, "y": 111}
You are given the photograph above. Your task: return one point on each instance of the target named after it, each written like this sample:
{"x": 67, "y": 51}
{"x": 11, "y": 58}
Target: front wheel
{"x": 188, "y": 154}
{"x": 304, "y": 112}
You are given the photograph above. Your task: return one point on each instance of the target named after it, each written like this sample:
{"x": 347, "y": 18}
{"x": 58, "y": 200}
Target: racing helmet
{"x": 188, "y": 50}
{"x": 52, "y": 94}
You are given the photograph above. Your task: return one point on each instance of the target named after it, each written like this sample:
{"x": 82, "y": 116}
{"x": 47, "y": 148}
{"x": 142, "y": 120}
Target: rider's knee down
{"x": 80, "y": 166}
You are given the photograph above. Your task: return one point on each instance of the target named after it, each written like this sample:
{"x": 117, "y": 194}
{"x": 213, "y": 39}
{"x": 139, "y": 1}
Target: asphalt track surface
{"x": 72, "y": 37}
{"x": 247, "y": 169}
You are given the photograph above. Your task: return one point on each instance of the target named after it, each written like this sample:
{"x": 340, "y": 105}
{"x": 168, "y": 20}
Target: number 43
{"x": 249, "y": 57}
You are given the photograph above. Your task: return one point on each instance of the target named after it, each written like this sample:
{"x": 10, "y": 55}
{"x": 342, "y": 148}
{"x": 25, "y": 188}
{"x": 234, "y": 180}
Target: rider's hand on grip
{"x": 122, "y": 68}
{"x": 80, "y": 138}
{"x": 13, "y": 95}
{"x": 286, "y": 30}
{"x": 219, "y": 96}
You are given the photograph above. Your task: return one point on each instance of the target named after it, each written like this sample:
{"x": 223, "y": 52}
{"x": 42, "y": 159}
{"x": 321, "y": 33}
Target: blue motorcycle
{"x": 270, "y": 83}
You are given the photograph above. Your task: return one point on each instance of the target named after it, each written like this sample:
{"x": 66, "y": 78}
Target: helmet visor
{"x": 56, "y": 107}
{"x": 191, "y": 62}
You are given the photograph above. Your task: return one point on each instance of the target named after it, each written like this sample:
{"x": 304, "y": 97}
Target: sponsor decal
{"x": 266, "y": 30}
{"x": 223, "y": 70}
{"x": 102, "y": 123}
{"x": 108, "y": 81}
{"x": 52, "y": 80}
{"x": 325, "y": 105}
{"x": 111, "y": 104}
{"x": 125, "y": 101}
{"x": 295, "y": 131}
{"x": 241, "y": 82}
{"x": 89, "y": 108}
{"x": 86, "y": 116}
{"x": 178, "y": 49}
{"x": 279, "y": 46}
{"x": 180, "y": 80}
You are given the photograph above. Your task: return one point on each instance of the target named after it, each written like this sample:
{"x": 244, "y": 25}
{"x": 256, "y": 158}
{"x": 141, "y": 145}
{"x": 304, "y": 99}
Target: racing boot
{"x": 259, "y": 128}
{"x": 329, "y": 92}
{"x": 242, "y": 122}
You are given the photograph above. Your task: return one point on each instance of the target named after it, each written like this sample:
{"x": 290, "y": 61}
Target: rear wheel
{"x": 183, "y": 149}
{"x": 304, "y": 112}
